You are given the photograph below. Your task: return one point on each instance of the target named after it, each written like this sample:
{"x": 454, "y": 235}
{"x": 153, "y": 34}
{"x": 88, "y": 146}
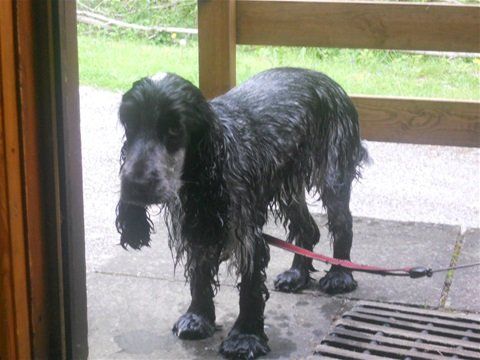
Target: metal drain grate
{"x": 383, "y": 331}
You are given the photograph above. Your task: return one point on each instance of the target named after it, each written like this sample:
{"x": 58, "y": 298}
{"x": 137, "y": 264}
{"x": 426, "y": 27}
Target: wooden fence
{"x": 222, "y": 24}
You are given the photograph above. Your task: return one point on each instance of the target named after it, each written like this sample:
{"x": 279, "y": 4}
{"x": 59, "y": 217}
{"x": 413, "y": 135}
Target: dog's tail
{"x": 342, "y": 154}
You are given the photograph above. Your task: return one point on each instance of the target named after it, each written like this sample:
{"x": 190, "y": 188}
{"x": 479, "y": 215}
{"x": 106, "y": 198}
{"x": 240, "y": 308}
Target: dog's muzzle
{"x": 136, "y": 192}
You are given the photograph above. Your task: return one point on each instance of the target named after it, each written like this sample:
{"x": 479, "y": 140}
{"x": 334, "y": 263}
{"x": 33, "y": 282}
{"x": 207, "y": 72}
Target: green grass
{"x": 114, "y": 64}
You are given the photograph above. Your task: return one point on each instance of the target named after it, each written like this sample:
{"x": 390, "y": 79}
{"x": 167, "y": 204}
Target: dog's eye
{"x": 174, "y": 131}
{"x": 174, "y": 138}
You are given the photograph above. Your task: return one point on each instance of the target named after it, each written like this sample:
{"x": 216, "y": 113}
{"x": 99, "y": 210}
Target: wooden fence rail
{"x": 359, "y": 24}
{"x": 374, "y": 25}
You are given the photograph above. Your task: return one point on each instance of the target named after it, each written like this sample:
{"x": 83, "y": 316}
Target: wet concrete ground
{"x": 135, "y": 297}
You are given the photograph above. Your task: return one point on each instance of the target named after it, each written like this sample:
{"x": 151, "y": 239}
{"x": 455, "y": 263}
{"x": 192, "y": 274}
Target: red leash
{"x": 413, "y": 272}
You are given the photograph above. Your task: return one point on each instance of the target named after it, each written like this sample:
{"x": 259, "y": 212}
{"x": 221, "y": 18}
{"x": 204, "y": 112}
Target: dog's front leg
{"x": 199, "y": 320}
{"x": 247, "y": 339}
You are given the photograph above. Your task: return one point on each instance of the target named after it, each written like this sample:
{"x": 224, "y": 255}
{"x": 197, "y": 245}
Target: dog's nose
{"x": 134, "y": 169}
{"x": 136, "y": 190}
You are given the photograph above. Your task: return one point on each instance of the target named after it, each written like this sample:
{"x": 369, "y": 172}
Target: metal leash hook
{"x": 419, "y": 272}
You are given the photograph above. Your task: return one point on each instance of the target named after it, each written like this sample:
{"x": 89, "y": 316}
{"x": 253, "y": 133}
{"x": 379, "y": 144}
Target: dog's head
{"x": 158, "y": 116}
{"x": 161, "y": 116}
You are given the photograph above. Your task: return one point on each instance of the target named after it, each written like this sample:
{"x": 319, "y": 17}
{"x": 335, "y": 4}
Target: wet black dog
{"x": 218, "y": 167}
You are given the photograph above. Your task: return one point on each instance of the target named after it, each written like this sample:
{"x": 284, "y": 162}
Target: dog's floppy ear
{"x": 134, "y": 225}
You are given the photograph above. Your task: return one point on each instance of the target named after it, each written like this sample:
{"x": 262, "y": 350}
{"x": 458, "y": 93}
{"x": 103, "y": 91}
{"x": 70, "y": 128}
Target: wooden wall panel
{"x": 359, "y": 24}
{"x": 42, "y": 298}
{"x": 8, "y": 339}
{"x": 14, "y": 295}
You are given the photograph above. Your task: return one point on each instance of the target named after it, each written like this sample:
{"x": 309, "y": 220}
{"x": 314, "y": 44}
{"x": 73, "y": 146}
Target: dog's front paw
{"x": 192, "y": 326}
{"x": 244, "y": 346}
{"x": 292, "y": 280}
{"x": 337, "y": 281}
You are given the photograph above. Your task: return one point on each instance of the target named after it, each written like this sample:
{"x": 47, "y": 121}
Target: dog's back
{"x": 294, "y": 121}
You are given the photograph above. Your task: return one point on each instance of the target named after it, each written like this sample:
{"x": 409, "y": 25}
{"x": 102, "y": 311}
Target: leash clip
{"x": 420, "y": 271}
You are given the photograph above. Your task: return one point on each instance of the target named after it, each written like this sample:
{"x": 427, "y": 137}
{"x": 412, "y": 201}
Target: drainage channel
{"x": 372, "y": 330}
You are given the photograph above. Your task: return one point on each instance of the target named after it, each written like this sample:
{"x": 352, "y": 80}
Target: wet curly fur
{"x": 220, "y": 167}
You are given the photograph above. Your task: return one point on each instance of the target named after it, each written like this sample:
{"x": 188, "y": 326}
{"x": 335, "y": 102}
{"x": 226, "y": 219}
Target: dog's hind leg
{"x": 247, "y": 339}
{"x": 199, "y": 320}
{"x": 304, "y": 230}
{"x": 336, "y": 200}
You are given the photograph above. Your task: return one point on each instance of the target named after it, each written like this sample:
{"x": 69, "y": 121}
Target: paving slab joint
{"x": 457, "y": 250}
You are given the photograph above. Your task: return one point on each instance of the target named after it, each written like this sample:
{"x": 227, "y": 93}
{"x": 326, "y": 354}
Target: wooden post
{"x": 216, "y": 46}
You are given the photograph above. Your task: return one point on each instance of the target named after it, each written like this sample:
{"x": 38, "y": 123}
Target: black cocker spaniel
{"x": 220, "y": 167}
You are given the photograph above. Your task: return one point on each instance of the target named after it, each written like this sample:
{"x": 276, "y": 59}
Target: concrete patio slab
{"x": 131, "y": 318}
{"x": 399, "y": 244}
{"x": 382, "y": 243}
{"x": 464, "y": 292}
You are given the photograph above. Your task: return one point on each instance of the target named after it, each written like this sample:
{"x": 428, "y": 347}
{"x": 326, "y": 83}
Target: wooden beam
{"x": 216, "y": 37}
{"x": 359, "y": 24}
{"x": 419, "y": 121}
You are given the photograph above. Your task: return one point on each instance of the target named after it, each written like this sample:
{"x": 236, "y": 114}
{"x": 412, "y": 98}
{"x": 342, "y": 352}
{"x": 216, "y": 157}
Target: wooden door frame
{"x": 43, "y": 308}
